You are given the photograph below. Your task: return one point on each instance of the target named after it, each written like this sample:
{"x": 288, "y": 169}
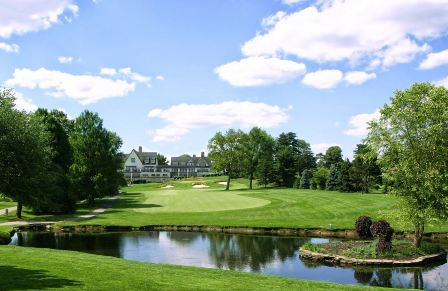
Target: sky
{"x": 167, "y": 75}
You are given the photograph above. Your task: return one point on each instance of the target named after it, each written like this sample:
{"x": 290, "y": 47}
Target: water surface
{"x": 248, "y": 253}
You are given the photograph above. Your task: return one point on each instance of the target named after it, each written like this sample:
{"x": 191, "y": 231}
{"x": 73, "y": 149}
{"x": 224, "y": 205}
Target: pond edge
{"x": 343, "y": 260}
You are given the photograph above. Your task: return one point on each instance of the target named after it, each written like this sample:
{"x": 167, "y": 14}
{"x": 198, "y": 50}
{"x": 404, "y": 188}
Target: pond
{"x": 248, "y": 253}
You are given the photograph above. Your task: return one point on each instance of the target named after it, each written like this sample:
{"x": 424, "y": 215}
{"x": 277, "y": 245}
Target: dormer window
{"x": 133, "y": 160}
{"x": 146, "y": 161}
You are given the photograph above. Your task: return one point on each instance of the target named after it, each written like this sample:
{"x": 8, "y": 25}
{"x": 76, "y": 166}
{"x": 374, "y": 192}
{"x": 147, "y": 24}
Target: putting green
{"x": 197, "y": 200}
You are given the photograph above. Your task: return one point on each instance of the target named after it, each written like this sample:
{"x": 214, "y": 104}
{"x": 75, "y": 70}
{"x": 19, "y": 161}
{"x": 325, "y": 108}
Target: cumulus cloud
{"x": 9, "y": 48}
{"x": 443, "y": 82}
{"x": 434, "y": 60}
{"x": 292, "y": 2}
{"x": 85, "y": 89}
{"x": 160, "y": 78}
{"x": 323, "y": 79}
{"x": 322, "y": 147}
{"x": 358, "y": 77}
{"x": 20, "y": 17}
{"x": 259, "y": 71}
{"x": 127, "y": 73}
{"x": 359, "y": 124}
{"x": 25, "y": 104}
{"x": 65, "y": 60}
{"x": 184, "y": 117}
{"x": 386, "y": 32}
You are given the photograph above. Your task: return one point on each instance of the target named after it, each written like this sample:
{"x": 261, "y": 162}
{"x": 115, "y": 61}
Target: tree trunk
{"x": 19, "y": 208}
{"x": 250, "y": 180}
{"x": 418, "y": 234}
{"x": 228, "y": 182}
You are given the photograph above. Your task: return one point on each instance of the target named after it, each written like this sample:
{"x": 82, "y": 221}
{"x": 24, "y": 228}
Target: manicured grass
{"x": 7, "y": 204}
{"x": 38, "y": 269}
{"x": 287, "y": 208}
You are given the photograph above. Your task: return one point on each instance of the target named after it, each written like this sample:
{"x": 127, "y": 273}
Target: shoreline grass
{"x": 30, "y": 268}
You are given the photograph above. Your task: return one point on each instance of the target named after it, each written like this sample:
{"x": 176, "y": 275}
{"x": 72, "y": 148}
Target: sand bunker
{"x": 200, "y": 186}
{"x": 222, "y": 183}
{"x": 167, "y": 187}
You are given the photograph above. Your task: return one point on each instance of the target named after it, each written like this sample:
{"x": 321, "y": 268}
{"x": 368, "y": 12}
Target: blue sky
{"x": 168, "y": 74}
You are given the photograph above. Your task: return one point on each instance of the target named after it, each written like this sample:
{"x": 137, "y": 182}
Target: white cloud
{"x": 65, "y": 60}
{"x": 160, "y": 78}
{"x": 85, "y": 89}
{"x": 322, "y": 147}
{"x": 292, "y": 2}
{"x": 259, "y": 71}
{"x": 184, "y": 117}
{"x": 433, "y": 60}
{"x": 323, "y": 79}
{"x": 23, "y": 16}
{"x": 9, "y": 48}
{"x": 354, "y": 30}
{"x": 358, "y": 77}
{"x": 108, "y": 71}
{"x": 25, "y": 104}
{"x": 359, "y": 124}
{"x": 443, "y": 82}
{"x": 128, "y": 73}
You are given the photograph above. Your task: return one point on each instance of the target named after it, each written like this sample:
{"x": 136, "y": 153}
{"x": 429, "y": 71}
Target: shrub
{"x": 383, "y": 232}
{"x": 362, "y": 227}
{"x": 5, "y": 238}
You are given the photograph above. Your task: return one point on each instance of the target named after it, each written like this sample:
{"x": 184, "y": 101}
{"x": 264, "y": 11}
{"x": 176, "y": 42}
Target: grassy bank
{"x": 29, "y": 268}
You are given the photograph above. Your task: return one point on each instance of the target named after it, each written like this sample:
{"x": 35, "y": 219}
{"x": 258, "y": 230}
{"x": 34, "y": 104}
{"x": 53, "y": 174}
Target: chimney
{"x": 202, "y": 154}
{"x": 140, "y": 149}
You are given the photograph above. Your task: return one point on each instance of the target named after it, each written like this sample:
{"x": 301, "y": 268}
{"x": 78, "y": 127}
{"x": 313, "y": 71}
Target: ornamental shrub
{"x": 362, "y": 227}
{"x": 383, "y": 232}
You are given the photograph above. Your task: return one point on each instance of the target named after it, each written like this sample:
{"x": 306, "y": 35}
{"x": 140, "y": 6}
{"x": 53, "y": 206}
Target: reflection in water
{"x": 254, "y": 253}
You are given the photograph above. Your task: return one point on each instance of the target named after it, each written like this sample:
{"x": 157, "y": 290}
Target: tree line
{"x": 49, "y": 162}
{"x": 287, "y": 161}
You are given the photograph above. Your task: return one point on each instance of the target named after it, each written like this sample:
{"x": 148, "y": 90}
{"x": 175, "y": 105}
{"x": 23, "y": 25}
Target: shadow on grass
{"x": 14, "y": 278}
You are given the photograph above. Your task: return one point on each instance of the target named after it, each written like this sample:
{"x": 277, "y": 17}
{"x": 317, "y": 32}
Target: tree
{"x": 266, "y": 165}
{"x": 58, "y": 196}
{"x": 227, "y": 153}
{"x": 320, "y": 177}
{"x": 292, "y": 156}
{"x": 305, "y": 179}
{"x": 411, "y": 139}
{"x": 24, "y": 153}
{"x": 253, "y": 144}
{"x": 332, "y": 180}
{"x": 161, "y": 160}
{"x": 95, "y": 171}
{"x": 365, "y": 170}
{"x": 344, "y": 180}
{"x": 332, "y": 156}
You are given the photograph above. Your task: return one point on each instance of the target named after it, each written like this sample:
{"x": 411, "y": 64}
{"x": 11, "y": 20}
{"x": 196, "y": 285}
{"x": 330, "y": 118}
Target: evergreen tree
{"x": 365, "y": 170}
{"x": 332, "y": 156}
{"x": 305, "y": 179}
{"x": 344, "y": 180}
{"x": 332, "y": 180}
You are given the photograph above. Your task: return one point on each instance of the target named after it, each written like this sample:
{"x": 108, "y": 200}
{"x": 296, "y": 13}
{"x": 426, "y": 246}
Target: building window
{"x": 132, "y": 160}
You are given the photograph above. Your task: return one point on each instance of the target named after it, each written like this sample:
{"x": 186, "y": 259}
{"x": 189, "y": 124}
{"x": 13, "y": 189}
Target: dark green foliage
{"x": 5, "y": 238}
{"x": 58, "y": 195}
{"x": 95, "y": 171}
{"x": 24, "y": 154}
{"x": 362, "y": 226}
{"x": 383, "y": 232}
{"x": 320, "y": 177}
{"x": 332, "y": 156}
{"x": 344, "y": 180}
{"x": 292, "y": 156}
{"x": 365, "y": 171}
{"x": 332, "y": 180}
{"x": 305, "y": 179}
{"x": 162, "y": 160}
{"x": 266, "y": 167}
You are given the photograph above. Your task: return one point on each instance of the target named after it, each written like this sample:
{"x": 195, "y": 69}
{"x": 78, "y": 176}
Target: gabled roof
{"x": 185, "y": 159}
{"x": 142, "y": 155}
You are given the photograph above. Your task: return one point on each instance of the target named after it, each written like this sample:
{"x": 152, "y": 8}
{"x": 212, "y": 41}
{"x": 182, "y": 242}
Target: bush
{"x": 5, "y": 238}
{"x": 383, "y": 232}
{"x": 362, "y": 227}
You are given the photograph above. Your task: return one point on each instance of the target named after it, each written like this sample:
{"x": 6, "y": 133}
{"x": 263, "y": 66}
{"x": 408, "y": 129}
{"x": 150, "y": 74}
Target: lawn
{"x": 149, "y": 204}
{"x": 38, "y": 269}
{"x": 7, "y": 204}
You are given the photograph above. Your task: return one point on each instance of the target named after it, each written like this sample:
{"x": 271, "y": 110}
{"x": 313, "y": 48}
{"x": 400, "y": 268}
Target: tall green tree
{"x": 411, "y": 139}
{"x": 97, "y": 162}
{"x": 333, "y": 176}
{"x": 162, "y": 160}
{"x": 266, "y": 166}
{"x": 320, "y": 177}
{"x": 58, "y": 196}
{"x": 333, "y": 156}
{"x": 24, "y": 153}
{"x": 305, "y": 179}
{"x": 254, "y": 145}
{"x": 344, "y": 180}
{"x": 365, "y": 169}
{"x": 227, "y": 153}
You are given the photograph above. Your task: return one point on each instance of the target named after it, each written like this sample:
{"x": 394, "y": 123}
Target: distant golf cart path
{"x": 90, "y": 215}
